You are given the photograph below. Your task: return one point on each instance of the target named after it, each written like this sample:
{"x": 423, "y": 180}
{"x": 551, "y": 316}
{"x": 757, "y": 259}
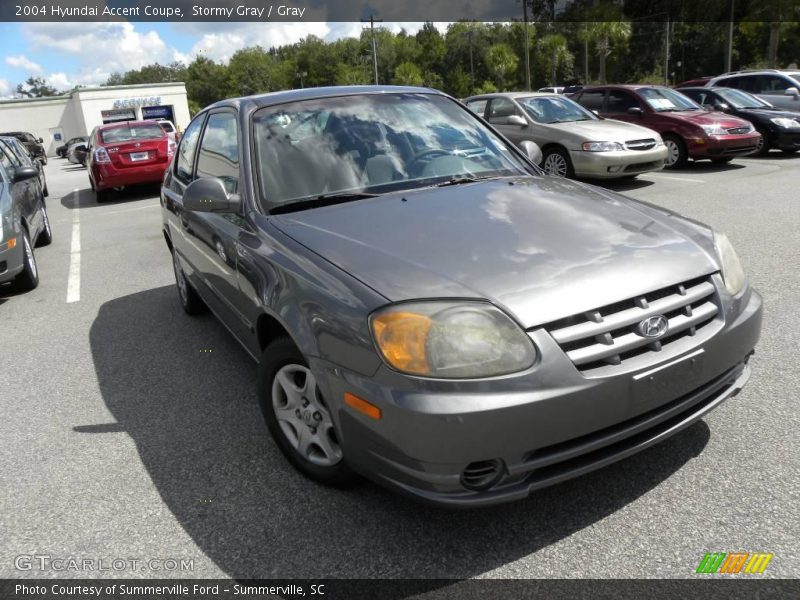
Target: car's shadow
{"x": 184, "y": 391}
{"x": 620, "y": 185}
{"x": 706, "y": 166}
{"x": 85, "y": 198}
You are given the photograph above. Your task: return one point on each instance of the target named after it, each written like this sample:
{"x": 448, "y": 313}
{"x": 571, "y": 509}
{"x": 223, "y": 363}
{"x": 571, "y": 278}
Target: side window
{"x": 7, "y": 159}
{"x": 620, "y": 101}
{"x": 739, "y": 83}
{"x": 186, "y": 151}
{"x": 477, "y": 106}
{"x": 219, "y": 151}
{"x": 500, "y": 109}
{"x": 592, "y": 100}
{"x": 770, "y": 84}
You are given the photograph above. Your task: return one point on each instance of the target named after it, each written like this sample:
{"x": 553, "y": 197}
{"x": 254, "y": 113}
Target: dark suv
{"x": 33, "y": 144}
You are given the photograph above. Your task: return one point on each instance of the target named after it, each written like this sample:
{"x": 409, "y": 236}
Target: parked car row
{"x": 24, "y": 223}
{"x": 616, "y": 131}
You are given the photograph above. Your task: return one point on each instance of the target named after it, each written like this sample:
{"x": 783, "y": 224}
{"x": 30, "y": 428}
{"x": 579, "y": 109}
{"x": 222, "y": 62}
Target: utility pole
{"x": 372, "y": 20}
{"x": 666, "y": 54}
{"x": 470, "y": 33}
{"x": 527, "y": 45}
{"x": 729, "y": 47}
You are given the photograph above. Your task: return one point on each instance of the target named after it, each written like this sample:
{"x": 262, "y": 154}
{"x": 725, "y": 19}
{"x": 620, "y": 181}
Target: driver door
{"x": 498, "y": 113}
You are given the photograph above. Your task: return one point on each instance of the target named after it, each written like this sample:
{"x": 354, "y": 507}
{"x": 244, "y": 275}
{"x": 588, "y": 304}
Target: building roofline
{"x": 99, "y": 88}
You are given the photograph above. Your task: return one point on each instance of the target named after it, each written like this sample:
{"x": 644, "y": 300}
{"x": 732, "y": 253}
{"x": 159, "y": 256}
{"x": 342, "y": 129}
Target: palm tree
{"x": 607, "y": 35}
{"x": 501, "y": 61}
{"x": 554, "y": 47}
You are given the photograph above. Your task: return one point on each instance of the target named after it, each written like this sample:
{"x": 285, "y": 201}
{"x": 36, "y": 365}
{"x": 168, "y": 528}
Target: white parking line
{"x": 74, "y": 280}
{"x": 662, "y": 176}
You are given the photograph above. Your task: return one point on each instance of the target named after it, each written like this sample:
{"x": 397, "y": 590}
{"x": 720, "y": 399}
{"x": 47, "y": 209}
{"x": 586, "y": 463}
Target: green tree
{"x": 253, "y": 71}
{"x": 207, "y": 82}
{"x": 608, "y": 36}
{"x": 407, "y": 73}
{"x": 554, "y": 49}
{"x": 36, "y": 87}
{"x": 501, "y": 61}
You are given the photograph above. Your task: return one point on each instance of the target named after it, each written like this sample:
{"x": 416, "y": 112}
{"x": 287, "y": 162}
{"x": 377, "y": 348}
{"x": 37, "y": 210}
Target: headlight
{"x": 716, "y": 129}
{"x": 732, "y": 271}
{"x": 451, "y": 339}
{"x": 602, "y": 146}
{"x": 785, "y": 123}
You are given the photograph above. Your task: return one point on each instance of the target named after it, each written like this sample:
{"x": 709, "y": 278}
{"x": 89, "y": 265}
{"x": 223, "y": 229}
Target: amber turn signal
{"x": 362, "y": 406}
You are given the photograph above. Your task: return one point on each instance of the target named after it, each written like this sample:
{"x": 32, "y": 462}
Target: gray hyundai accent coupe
{"x": 427, "y": 309}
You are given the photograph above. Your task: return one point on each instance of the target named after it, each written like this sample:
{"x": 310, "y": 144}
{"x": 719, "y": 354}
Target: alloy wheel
{"x": 556, "y": 165}
{"x": 303, "y": 415}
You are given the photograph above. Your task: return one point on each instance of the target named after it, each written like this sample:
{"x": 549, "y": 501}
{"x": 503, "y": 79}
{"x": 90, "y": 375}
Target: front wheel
{"x": 190, "y": 301}
{"x": 298, "y": 416}
{"x": 28, "y": 279}
{"x": 763, "y": 147}
{"x": 46, "y": 236}
{"x": 677, "y": 156}
{"x": 556, "y": 162}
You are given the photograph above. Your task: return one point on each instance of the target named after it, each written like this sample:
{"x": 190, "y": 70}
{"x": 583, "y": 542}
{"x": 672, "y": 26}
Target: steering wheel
{"x": 427, "y": 154}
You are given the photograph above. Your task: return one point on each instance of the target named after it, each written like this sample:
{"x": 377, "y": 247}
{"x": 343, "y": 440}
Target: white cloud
{"x": 23, "y": 62}
{"x": 5, "y": 89}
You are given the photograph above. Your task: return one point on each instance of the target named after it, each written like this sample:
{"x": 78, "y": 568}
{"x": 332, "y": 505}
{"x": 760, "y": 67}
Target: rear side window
{"x": 772, "y": 83}
{"x": 620, "y": 101}
{"x": 184, "y": 164}
{"x": 477, "y": 106}
{"x": 592, "y": 100}
{"x": 219, "y": 151}
{"x": 131, "y": 133}
{"x": 746, "y": 83}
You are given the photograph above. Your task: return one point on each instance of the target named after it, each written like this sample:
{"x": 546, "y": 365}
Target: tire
{"x": 45, "y": 191}
{"x": 28, "y": 279}
{"x": 46, "y": 236}
{"x": 677, "y": 156}
{"x": 298, "y": 417}
{"x": 44, "y": 160}
{"x": 190, "y": 301}
{"x": 556, "y": 162}
{"x": 763, "y": 147}
{"x": 790, "y": 151}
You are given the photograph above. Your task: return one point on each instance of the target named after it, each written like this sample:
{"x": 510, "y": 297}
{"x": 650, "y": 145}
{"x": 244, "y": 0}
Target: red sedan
{"x": 129, "y": 153}
{"x": 688, "y": 130}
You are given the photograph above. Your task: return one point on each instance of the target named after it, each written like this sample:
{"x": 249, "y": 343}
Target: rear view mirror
{"x": 635, "y": 110}
{"x": 517, "y": 120}
{"x": 532, "y": 150}
{"x": 25, "y": 173}
{"x": 208, "y": 194}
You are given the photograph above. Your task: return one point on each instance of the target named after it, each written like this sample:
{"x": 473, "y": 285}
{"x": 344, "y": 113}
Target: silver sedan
{"x": 575, "y": 142}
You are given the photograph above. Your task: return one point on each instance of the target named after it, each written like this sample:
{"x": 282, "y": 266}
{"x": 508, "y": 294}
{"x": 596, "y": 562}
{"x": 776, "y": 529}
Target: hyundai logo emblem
{"x": 653, "y": 327}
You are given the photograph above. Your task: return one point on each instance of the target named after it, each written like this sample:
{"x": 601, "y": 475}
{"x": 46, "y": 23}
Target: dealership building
{"x": 56, "y": 119}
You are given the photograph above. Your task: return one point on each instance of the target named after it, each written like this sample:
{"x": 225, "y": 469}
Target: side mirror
{"x": 723, "y": 106}
{"x": 40, "y": 140}
{"x": 25, "y": 173}
{"x": 208, "y": 194}
{"x": 635, "y": 110}
{"x": 792, "y": 91}
{"x": 532, "y": 150}
{"x": 517, "y": 120}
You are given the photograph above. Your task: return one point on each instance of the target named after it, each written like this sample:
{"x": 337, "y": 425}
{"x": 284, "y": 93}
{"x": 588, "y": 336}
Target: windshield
{"x": 372, "y": 143}
{"x": 545, "y": 109}
{"x": 667, "y": 100}
{"x": 131, "y": 132}
{"x": 739, "y": 99}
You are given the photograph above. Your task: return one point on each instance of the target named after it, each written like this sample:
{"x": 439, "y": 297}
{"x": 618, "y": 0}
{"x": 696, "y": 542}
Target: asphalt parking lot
{"x": 130, "y": 430}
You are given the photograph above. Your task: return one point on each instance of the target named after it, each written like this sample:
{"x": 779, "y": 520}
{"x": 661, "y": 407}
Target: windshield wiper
{"x": 468, "y": 179}
{"x": 321, "y": 200}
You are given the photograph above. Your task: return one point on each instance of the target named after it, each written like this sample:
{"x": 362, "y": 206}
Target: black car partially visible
{"x": 34, "y": 145}
{"x": 62, "y": 150}
{"x": 779, "y": 128}
{"x": 23, "y": 218}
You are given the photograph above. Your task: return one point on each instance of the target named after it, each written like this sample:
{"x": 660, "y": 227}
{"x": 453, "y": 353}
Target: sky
{"x": 69, "y": 54}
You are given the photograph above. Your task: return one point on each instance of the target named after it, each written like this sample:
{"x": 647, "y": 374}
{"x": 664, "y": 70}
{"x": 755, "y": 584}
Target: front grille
{"x": 645, "y": 144}
{"x": 739, "y": 150}
{"x": 739, "y": 130}
{"x": 607, "y": 335}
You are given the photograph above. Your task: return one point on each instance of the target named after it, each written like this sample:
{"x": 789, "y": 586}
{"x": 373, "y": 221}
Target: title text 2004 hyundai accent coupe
{"x": 429, "y": 310}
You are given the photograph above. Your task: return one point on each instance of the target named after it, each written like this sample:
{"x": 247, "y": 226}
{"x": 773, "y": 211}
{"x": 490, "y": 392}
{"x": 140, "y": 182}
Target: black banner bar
{"x": 706, "y": 587}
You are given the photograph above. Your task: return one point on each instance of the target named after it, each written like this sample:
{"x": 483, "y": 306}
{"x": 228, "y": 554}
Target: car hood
{"x": 541, "y": 247}
{"x": 607, "y": 130}
{"x": 770, "y": 113}
{"x": 707, "y": 118}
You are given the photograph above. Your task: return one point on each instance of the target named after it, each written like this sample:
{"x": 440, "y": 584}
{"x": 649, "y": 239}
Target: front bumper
{"x": 622, "y": 163}
{"x": 723, "y": 146}
{"x": 11, "y": 259}
{"x": 786, "y": 140}
{"x": 537, "y": 428}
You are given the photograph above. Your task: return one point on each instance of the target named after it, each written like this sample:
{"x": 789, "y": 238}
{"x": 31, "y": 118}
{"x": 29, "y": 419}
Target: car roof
{"x": 760, "y": 72}
{"x": 108, "y": 126}
{"x": 282, "y": 97}
{"x": 513, "y": 95}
